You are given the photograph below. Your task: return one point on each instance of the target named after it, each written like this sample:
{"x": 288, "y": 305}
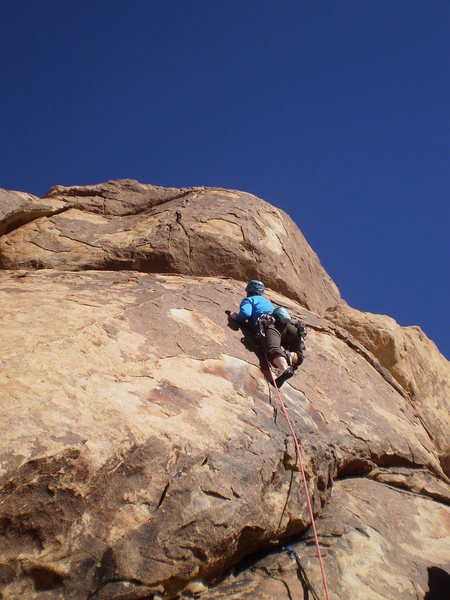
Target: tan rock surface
{"x": 18, "y": 208}
{"x": 141, "y": 451}
{"x": 144, "y": 454}
{"x": 413, "y": 360}
{"x": 377, "y": 543}
{"x": 197, "y": 231}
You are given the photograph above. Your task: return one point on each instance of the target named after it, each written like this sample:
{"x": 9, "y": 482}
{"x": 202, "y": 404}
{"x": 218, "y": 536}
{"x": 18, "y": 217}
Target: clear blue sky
{"x": 336, "y": 111}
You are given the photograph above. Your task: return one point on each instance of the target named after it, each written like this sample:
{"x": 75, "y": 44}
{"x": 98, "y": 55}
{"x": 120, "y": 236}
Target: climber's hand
{"x": 231, "y": 315}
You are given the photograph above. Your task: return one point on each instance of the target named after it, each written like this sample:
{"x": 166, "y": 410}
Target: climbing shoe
{"x": 291, "y": 356}
{"x": 287, "y": 374}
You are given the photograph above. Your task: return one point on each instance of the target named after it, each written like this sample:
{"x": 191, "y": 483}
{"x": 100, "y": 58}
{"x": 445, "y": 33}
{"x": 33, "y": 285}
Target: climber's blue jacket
{"x": 253, "y": 307}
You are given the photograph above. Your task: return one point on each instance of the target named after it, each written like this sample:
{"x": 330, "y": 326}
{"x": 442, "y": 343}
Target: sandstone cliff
{"x": 143, "y": 452}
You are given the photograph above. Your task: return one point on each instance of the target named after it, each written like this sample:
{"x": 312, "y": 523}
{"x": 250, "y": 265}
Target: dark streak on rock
{"x": 163, "y": 495}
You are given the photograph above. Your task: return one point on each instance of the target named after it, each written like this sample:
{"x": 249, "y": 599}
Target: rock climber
{"x": 281, "y": 339}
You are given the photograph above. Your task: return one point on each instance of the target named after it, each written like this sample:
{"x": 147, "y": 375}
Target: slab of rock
{"x": 197, "y": 231}
{"x": 377, "y": 543}
{"x": 18, "y": 209}
{"x": 380, "y": 542}
{"x": 143, "y": 452}
{"x": 413, "y": 360}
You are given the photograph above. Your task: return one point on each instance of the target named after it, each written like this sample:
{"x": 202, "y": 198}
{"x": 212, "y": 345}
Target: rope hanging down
{"x": 305, "y": 483}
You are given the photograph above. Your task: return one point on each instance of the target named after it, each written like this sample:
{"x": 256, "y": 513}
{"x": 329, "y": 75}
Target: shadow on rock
{"x": 438, "y": 583}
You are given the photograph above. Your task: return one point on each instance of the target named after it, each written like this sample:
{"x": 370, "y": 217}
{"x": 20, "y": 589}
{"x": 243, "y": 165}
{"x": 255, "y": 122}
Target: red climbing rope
{"x": 305, "y": 483}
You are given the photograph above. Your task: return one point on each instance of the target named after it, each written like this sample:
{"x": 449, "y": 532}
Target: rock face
{"x": 144, "y": 454}
{"x": 197, "y": 231}
{"x": 413, "y": 360}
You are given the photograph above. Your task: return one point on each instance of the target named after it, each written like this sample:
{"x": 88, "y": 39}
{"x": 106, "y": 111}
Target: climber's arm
{"x": 245, "y": 311}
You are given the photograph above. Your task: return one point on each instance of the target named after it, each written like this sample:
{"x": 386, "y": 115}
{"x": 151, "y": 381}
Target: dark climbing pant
{"x": 279, "y": 336}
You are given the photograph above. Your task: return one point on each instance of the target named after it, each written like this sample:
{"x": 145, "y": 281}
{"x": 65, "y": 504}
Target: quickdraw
{"x": 306, "y": 585}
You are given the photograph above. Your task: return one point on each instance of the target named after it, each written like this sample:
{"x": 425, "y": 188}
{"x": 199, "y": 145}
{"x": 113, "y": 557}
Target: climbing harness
{"x": 305, "y": 483}
{"x": 262, "y": 323}
{"x": 279, "y": 315}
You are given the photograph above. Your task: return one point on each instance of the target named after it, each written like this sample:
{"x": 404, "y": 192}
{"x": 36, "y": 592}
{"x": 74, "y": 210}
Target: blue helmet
{"x": 255, "y": 287}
